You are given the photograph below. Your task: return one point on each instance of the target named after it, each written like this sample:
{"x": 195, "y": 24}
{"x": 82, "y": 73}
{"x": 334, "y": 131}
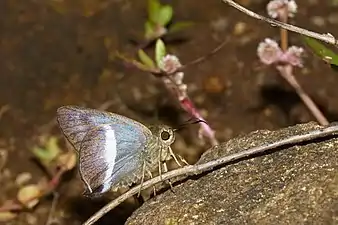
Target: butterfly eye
{"x": 165, "y": 135}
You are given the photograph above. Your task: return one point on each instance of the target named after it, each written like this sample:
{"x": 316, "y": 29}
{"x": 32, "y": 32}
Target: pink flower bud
{"x": 293, "y": 56}
{"x": 269, "y": 51}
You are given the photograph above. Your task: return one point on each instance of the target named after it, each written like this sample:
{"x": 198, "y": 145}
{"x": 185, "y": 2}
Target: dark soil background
{"x": 58, "y": 52}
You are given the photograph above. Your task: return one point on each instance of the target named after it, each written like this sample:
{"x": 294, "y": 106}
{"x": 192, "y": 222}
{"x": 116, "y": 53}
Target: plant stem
{"x": 286, "y": 73}
{"x": 284, "y": 32}
{"x": 186, "y": 103}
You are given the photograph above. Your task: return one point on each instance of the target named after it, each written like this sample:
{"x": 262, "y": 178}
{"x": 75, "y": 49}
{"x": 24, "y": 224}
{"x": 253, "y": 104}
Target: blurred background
{"x": 58, "y": 52}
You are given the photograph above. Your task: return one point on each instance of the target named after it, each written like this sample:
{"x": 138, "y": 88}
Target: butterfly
{"x": 114, "y": 151}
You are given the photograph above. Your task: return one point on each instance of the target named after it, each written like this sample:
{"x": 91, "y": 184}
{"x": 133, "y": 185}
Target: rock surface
{"x": 293, "y": 185}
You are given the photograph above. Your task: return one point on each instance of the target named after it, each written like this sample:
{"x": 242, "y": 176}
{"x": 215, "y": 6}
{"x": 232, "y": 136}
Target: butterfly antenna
{"x": 189, "y": 123}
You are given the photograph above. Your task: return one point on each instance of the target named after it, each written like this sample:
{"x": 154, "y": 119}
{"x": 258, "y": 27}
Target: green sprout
{"x": 47, "y": 153}
{"x": 145, "y": 62}
{"x": 160, "y": 52}
{"x": 159, "y": 18}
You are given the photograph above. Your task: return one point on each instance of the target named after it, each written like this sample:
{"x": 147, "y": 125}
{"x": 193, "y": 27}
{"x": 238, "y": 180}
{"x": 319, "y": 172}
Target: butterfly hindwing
{"x": 113, "y": 160}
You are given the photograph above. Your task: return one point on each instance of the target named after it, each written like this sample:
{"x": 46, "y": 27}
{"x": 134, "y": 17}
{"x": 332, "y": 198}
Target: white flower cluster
{"x": 277, "y": 8}
{"x": 269, "y": 52}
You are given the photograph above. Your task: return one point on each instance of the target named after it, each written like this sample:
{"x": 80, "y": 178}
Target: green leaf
{"x": 165, "y": 15}
{"x": 180, "y": 26}
{"x": 322, "y": 51}
{"x": 154, "y": 7}
{"x": 41, "y": 153}
{"x": 49, "y": 152}
{"x": 53, "y": 147}
{"x": 160, "y": 51}
{"x": 149, "y": 30}
{"x": 145, "y": 59}
{"x": 137, "y": 64}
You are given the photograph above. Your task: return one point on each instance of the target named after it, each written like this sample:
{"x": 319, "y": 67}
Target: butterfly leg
{"x": 165, "y": 168}
{"x": 142, "y": 179}
{"x": 173, "y": 155}
{"x": 160, "y": 164}
{"x": 183, "y": 160}
{"x": 151, "y": 176}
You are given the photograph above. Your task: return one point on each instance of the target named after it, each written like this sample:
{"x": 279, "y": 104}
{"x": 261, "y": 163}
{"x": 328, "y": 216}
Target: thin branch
{"x": 286, "y": 73}
{"x": 204, "y": 57}
{"x": 208, "y": 166}
{"x": 328, "y": 38}
{"x": 55, "y": 200}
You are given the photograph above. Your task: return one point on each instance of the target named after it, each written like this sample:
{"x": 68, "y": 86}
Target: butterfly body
{"x": 114, "y": 151}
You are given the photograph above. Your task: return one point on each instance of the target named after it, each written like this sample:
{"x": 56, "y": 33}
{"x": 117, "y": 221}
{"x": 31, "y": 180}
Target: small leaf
{"x": 53, "y": 146}
{"x": 180, "y": 26}
{"x": 165, "y": 15}
{"x": 7, "y": 216}
{"x": 322, "y": 51}
{"x": 49, "y": 152}
{"x": 137, "y": 64}
{"x": 145, "y": 59}
{"x": 29, "y": 195}
{"x": 154, "y": 7}
{"x": 160, "y": 51}
{"x": 41, "y": 153}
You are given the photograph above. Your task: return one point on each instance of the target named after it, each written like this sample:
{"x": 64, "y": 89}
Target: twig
{"x": 186, "y": 103}
{"x": 328, "y": 38}
{"x": 52, "y": 208}
{"x": 286, "y": 73}
{"x": 204, "y": 57}
{"x": 200, "y": 168}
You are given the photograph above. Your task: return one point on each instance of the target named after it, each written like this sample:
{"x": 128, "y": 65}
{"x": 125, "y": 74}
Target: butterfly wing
{"x": 106, "y": 159}
{"x": 110, "y": 146}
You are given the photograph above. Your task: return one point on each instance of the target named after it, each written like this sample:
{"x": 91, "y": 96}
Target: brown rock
{"x": 294, "y": 185}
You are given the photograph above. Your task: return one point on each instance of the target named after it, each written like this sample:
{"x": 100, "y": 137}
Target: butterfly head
{"x": 164, "y": 136}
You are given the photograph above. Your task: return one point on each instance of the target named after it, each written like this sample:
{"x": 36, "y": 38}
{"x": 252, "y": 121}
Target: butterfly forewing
{"x": 76, "y": 121}
{"x": 110, "y": 146}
